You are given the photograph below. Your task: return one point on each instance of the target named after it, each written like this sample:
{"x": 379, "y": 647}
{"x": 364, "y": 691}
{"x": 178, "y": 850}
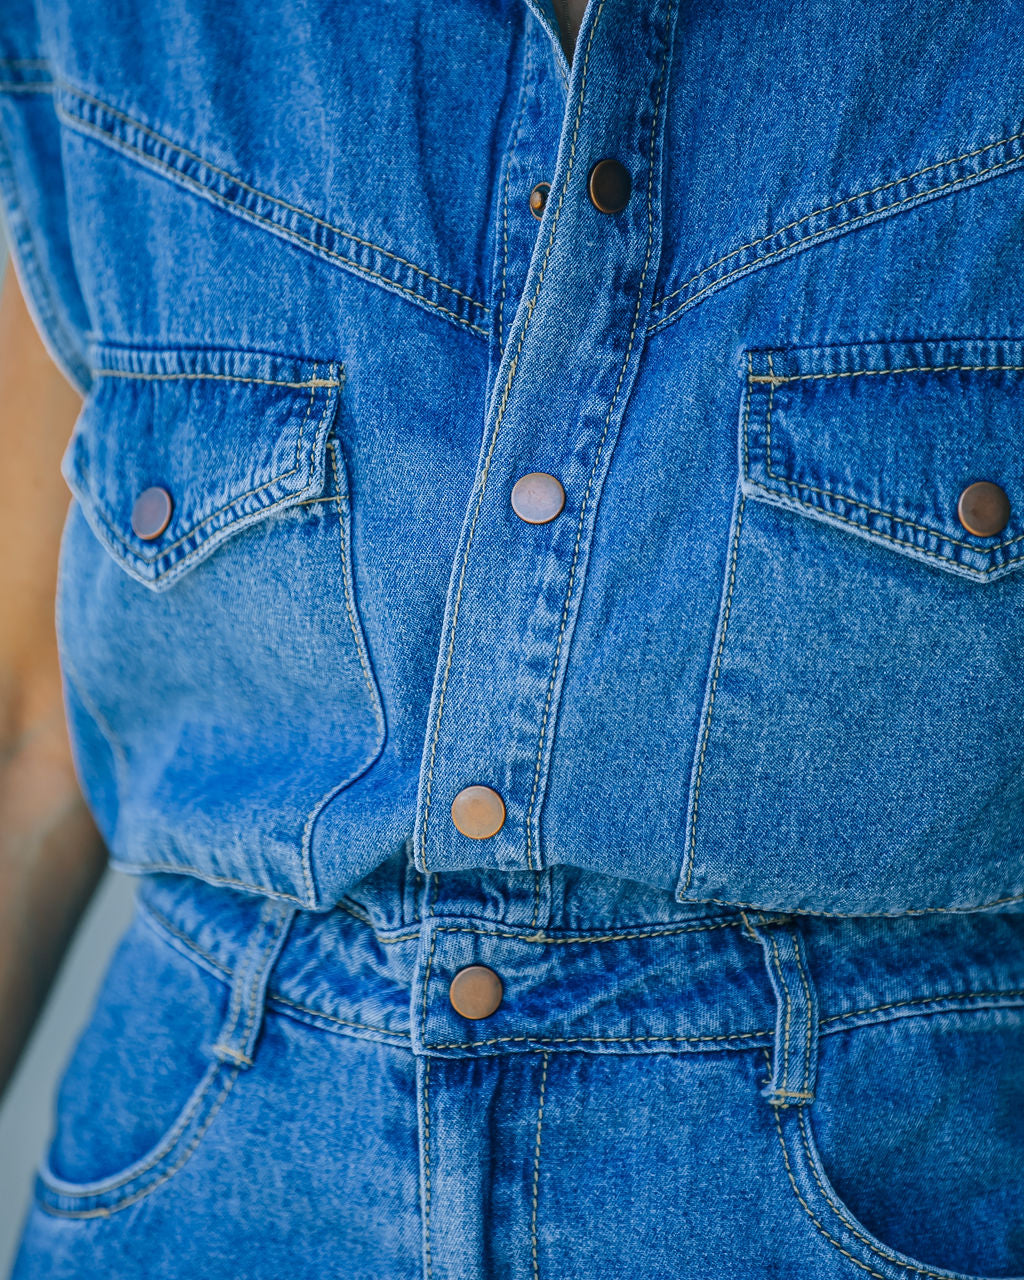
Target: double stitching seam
{"x": 499, "y": 417}
{"x": 828, "y": 233}
{"x": 107, "y": 1210}
{"x": 788, "y": 1016}
{"x": 715, "y": 1039}
{"x": 1010, "y": 994}
{"x": 74, "y": 91}
{"x": 536, "y": 1168}
{"x": 278, "y": 479}
{"x": 549, "y": 939}
{"x": 809, "y": 1019}
{"x": 348, "y": 586}
{"x": 584, "y": 506}
{"x": 212, "y": 377}
{"x": 250, "y": 986}
{"x": 734, "y": 555}
{"x": 772, "y": 381}
{"x": 275, "y": 998}
{"x": 884, "y": 1256}
{"x": 182, "y": 179}
{"x": 862, "y": 195}
{"x": 872, "y": 915}
{"x": 426, "y": 1168}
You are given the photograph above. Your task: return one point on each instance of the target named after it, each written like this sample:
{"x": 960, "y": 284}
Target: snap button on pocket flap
{"x": 915, "y": 445}
{"x": 175, "y": 450}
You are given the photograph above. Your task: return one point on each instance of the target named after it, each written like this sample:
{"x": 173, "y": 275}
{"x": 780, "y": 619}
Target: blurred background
{"x": 26, "y": 1109}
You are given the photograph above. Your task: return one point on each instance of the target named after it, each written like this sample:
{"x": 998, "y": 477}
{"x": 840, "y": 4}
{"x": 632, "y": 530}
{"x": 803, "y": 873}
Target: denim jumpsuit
{"x": 540, "y": 615}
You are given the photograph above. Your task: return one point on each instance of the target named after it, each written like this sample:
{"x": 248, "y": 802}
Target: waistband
{"x": 588, "y": 963}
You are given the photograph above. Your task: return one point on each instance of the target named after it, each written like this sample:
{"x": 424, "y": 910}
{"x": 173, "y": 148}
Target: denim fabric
{"x": 665, "y": 1091}
{"x": 287, "y": 253}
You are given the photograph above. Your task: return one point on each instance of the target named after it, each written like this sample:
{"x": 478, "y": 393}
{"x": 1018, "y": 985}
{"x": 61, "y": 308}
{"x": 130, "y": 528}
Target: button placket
{"x": 560, "y": 392}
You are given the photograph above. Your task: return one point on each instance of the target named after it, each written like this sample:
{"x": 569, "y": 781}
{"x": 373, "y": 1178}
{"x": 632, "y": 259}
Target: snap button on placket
{"x": 476, "y": 991}
{"x": 478, "y": 812}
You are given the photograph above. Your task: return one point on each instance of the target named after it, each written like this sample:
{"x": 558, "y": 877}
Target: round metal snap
{"x": 609, "y": 186}
{"x": 537, "y": 498}
{"x": 475, "y": 992}
{"x": 151, "y": 513}
{"x": 984, "y": 509}
{"x": 478, "y": 812}
{"x": 539, "y": 199}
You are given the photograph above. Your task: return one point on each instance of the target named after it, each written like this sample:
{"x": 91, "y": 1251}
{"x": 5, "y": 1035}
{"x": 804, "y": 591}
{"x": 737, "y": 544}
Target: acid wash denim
{"x": 753, "y": 701}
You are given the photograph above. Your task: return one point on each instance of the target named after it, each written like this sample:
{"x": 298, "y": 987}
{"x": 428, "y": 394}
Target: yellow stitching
{"x": 536, "y": 1168}
{"x": 162, "y": 922}
{"x": 476, "y": 1044}
{"x": 178, "y": 567}
{"x": 789, "y": 1009}
{"x": 252, "y": 979}
{"x": 348, "y": 586}
{"x": 809, "y": 1024}
{"x": 778, "y": 380}
{"x": 884, "y": 1253}
{"x": 933, "y": 999}
{"x": 830, "y": 232}
{"x": 274, "y": 998}
{"x": 280, "y": 926}
{"x": 367, "y": 244}
{"x": 549, "y": 939}
{"x": 536, "y": 900}
{"x": 499, "y": 416}
{"x": 774, "y": 380}
{"x": 426, "y": 974}
{"x": 844, "y": 915}
{"x": 711, "y": 699}
{"x": 793, "y": 1093}
{"x": 145, "y": 1191}
{"x": 238, "y": 1056}
{"x": 182, "y": 869}
{"x": 213, "y": 377}
{"x": 499, "y": 309}
{"x": 939, "y": 164}
{"x": 597, "y": 460}
{"x": 284, "y": 232}
{"x": 426, "y": 1166}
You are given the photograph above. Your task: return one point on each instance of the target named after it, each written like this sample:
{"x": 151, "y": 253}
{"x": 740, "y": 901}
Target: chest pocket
{"x": 862, "y": 740}
{"x": 218, "y": 682}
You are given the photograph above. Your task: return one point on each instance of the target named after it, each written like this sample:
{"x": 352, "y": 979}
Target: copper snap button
{"x": 984, "y": 509}
{"x": 478, "y": 812}
{"x": 151, "y": 513}
{"x": 475, "y": 992}
{"x": 609, "y": 186}
{"x": 539, "y": 199}
{"x": 537, "y": 498}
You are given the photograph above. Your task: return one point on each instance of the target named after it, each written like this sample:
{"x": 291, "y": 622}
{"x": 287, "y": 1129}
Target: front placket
{"x": 569, "y": 362}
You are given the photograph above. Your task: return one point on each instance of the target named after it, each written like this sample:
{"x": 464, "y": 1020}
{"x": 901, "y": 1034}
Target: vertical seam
{"x": 426, "y": 1168}
{"x": 600, "y": 449}
{"x": 811, "y": 1018}
{"x": 711, "y": 700}
{"x": 513, "y": 365}
{"x": 536, "y": 1168}
{"x": 527, "y": 76}
{"x": 787, "y": 1019}
{"x": 250, "y": 984}
{"x": 348, "y": 589}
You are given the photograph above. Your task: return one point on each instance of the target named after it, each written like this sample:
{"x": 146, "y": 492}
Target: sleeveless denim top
{"x": 287, "y": 253}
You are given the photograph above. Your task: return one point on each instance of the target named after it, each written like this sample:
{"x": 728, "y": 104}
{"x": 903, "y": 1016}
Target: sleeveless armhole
{"x": 33, "y": 196}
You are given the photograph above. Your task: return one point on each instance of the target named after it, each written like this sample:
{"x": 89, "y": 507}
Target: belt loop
{"x": 238, "y": 1035}
{"x": 795, "y": 1053}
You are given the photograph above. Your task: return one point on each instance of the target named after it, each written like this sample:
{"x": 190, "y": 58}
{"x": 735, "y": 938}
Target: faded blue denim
{"x": 755, "y": 699}
{"x": 666, "y": 1091}
{"x": 288, "y": 255}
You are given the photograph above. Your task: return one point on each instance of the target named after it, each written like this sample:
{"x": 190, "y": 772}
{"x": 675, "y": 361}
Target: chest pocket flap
{"x": 176, "y": 450}
{"x": 884, "y": 440}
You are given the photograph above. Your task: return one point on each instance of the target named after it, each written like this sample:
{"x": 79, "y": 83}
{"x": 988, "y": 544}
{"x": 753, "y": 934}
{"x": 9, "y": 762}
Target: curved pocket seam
{"x": 100, "y": 1191}
{"x": 876, "y": 1248}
